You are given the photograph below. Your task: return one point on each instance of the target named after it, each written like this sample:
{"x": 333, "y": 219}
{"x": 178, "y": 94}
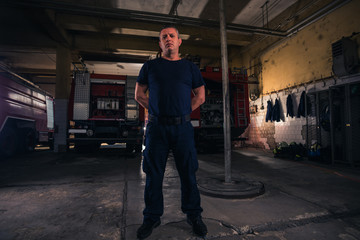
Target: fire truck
{"x": 102, "y": 109}
{"x": 26, "y": 114}
{"x": 208, "y": 119}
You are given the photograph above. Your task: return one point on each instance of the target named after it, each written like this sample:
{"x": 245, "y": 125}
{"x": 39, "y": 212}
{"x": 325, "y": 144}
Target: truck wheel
{"x": 51, "y": 144}
{"x": 29, "y": 140}
{"x": 84, "y": 148}
{"x": 8, "y": 141}
{"x": 202, "y": 148}
{"x": 130, "y": 147}
{"x": 80, "y": 148}
{"x": 138, "y": 148}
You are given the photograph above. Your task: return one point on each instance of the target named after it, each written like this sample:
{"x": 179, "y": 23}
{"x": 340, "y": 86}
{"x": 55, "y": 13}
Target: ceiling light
{"x": 135, "y": 52}
{"x": 145, "y": 33}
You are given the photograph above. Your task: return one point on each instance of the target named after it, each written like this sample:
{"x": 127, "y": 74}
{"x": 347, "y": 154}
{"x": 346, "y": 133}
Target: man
{"x": 170, "y": 81}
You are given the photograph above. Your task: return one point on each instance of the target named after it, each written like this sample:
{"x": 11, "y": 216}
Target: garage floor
{"x": 46, "y": 195}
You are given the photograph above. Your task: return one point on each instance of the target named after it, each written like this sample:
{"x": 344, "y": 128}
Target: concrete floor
{"x": 46, "y": 195}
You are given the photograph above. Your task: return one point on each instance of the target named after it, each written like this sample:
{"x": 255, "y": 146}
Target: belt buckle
{"x": 173, "y": 120}
{"x": 177, "y": 120}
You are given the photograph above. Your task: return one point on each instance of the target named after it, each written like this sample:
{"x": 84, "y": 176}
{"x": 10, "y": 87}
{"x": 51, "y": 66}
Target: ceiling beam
{"x": 110, "y": 57}
{"x": 19, "y": 28}
{"x": 96, "y": 11}
{"x": 93, "y": 42}
{"x": 47, "y": 19}
{"x": 208, "y": 35}
{"x": 232, "y": 8}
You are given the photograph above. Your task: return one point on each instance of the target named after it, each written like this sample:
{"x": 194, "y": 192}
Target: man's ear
{"x": 180, "y": 41}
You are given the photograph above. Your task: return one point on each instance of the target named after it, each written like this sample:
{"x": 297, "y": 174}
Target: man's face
{"x": 169, "y": 40}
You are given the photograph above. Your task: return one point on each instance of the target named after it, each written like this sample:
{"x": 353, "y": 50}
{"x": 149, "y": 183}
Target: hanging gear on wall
{"x": 301, "y": 108}
{"x": 269, "y": 111}
{"x": 275, "y": 116}
{"x": 289, "y": 106}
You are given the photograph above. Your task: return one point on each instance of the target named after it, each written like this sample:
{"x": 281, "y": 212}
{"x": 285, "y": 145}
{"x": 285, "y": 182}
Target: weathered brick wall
{"x": 267, "y": 135}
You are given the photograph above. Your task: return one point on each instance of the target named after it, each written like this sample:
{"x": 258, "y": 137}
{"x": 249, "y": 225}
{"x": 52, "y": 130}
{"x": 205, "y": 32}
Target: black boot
{"x": 198, "y": 226}
{"x": 146, "y": 228}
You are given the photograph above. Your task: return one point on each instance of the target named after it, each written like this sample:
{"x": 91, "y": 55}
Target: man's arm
{"x": 199, "y": 97}
{"x": 140, "y": 95}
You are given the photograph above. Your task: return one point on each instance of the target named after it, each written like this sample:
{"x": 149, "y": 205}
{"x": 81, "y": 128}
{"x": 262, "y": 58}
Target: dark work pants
{"x": 158, "y": 141}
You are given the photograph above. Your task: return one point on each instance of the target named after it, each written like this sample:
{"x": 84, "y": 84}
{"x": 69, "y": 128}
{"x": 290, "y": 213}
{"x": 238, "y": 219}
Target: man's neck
{"x": 171, "y": 57}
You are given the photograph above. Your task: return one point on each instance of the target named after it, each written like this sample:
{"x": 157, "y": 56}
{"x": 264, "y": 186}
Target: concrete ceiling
{"x": 117, "y": 36}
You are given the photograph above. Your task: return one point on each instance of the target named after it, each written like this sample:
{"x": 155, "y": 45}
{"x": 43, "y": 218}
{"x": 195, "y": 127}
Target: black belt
{"x": 169, "y": 120}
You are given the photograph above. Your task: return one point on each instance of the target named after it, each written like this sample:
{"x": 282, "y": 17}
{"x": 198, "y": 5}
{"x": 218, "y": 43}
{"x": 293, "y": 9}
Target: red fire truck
{"x": 102, "y": 109}
{"x": 26, "y": 114}
{"x": 208, "y": 119}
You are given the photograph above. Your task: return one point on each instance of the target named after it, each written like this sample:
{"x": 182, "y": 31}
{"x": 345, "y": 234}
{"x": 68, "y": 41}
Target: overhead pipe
{"x": 304, "y": 23}
{"x": 173, "y": 10}
{"x": 316, "y": 16}
{"x": 133, "y": 15}
{"x": 169, "y": 19}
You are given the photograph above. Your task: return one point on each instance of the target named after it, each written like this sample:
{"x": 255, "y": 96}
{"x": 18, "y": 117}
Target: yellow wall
{"x": 306, "y": 55}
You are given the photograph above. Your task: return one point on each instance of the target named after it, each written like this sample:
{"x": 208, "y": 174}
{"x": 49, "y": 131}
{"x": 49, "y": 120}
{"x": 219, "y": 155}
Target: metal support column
{"x": 332, "y": 129}
{"x": 62, "y": 91}
{"x": 348, "y": 126}
{"x": 216, "y": 187}
{"x": 226, "y": 97}
{"x": 318, "y": 128}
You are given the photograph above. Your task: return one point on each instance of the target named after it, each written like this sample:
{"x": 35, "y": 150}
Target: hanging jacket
{"x": 275, "y": 116}
{"x": 289, "y": 106}
{"x": 301, "y": 108}
{"x": 269, "y": 111}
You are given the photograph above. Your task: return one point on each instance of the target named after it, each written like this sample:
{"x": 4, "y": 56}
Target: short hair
{"x": 170, "y": 26}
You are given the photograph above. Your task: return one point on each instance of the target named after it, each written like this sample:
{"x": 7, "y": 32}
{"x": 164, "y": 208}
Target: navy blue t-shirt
{"x": 170, "y": 84}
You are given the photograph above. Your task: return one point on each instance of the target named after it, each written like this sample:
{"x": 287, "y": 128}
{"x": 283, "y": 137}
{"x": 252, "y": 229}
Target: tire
{"x": 51, "y": 144}
{"x": 8, "y": 143}
{"x": 129, "y": 148}
{"x": 29, "y": 140}
{"x": 138, "y": 148}
{"x": 203, "y": 147}
{"x": 86, "y": 148}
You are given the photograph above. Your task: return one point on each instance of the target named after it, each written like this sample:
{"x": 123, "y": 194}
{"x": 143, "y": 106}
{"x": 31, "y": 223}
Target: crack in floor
{"x": 272, "y": 226}
{"x": 291, "y": 223}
